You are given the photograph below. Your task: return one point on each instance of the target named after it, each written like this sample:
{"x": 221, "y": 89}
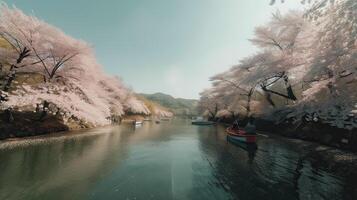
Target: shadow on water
{"x": 275, "y": 170}
{"x": 170, "y": 160}
{"x": 56, "y": 167}
{"x": 250, "y": 148}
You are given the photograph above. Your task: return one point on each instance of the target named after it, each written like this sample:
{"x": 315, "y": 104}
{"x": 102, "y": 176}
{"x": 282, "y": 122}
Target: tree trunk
{"x": 269, "y": 99}
{"x": 2, "y": 97}
{"x": 12, "y": 74}
{"x": 250, "y": 93}
{"x": 44, "y": 110}
{"x": 9, "y": 116}
{"x": 9, "y": 78}
{"x": 290, "y": 93}
{"x": 289, "y": 89}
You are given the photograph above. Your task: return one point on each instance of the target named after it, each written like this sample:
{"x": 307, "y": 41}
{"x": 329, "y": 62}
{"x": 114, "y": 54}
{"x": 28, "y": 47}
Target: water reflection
{"x": 61, "y": 166}
{"x": 170, "y": 160}
{"x": 275, "y": 170}
{"x": 250, "y": 148}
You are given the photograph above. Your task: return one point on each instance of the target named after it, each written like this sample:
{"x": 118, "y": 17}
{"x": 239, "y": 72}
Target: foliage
{"x": 73, "y": 85}
{"x": 304, "y": 64}
{"x": 155, "y": 108}
{"x": 178, "y": 106}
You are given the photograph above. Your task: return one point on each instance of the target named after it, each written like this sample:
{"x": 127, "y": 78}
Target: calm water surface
{"x": 171, "y": 160}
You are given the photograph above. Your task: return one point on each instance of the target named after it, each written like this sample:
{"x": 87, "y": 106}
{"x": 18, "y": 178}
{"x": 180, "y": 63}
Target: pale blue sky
{"x": 170, "y": 46}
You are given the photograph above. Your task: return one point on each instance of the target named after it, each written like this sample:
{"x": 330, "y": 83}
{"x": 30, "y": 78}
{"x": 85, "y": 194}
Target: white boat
{"x": 138, "y": 123}
{"x": 201, "y": 121}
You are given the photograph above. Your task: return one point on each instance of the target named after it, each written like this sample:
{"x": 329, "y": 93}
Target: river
{"x": 170, "y": 160}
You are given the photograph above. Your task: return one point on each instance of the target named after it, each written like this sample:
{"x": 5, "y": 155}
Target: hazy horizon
{"x": 172, "y": 47}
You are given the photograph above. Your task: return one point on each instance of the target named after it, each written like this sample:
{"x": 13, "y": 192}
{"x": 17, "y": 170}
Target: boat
{"x": 240, "y": 135}
{"x": 201, "y": 121}
{"x": 138, "y": 123}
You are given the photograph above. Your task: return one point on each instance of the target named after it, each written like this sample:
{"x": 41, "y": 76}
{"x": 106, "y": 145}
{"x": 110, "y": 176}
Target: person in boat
{"x": 250, "y": 128}
{"x": 235, "y": 125}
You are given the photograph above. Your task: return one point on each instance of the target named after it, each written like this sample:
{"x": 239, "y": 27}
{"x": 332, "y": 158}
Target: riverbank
{"x": 332, "y": 159}
{"x": 318, "y": 132}
{"x": 325, "y": 145}
{"x": 26, "y": 124}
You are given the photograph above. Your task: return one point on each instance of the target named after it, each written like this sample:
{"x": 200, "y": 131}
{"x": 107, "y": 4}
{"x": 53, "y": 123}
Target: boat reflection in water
{"x": 251, "y": 148}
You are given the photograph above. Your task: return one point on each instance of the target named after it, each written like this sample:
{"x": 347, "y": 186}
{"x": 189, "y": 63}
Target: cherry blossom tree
{"x": 56, "y": 50}
{"x": 209, "y": 103}
{"x": 75, "y": 87}
{"x": 307, "y": 61}
{"x": 332, "y": 75}
{"x": 281, "y": 37}
{"x": 15, "y": 27}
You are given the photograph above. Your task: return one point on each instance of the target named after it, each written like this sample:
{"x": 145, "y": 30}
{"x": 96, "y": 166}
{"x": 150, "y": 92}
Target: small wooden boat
{"x": 138, "y": 123}
{"x": 202, "y": 122}
{"x": 240, "y": 136}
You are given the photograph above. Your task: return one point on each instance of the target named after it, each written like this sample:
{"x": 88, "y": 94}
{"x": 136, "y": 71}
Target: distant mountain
{"x": 178, "y": 106}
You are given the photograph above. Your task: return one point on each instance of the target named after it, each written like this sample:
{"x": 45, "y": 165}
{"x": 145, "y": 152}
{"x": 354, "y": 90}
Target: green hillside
{"x": 178, "y": 106}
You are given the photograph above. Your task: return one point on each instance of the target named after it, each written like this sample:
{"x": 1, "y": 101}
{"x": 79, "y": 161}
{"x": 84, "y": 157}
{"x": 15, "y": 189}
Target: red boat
{"x": 240, "y": 135}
